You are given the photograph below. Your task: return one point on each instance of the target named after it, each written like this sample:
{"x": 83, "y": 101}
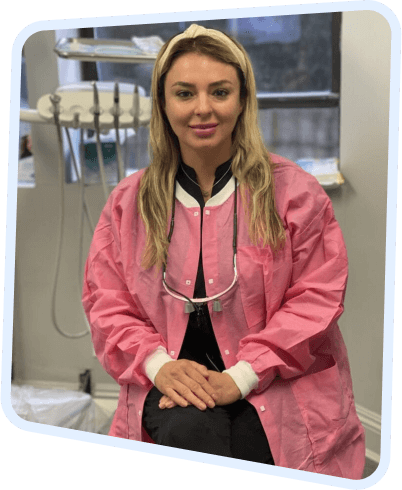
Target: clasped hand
{"x": 185, "y": 382}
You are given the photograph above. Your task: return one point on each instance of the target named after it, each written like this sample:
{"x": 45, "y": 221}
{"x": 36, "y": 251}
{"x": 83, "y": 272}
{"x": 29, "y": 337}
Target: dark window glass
{"x": 290, "y": 53}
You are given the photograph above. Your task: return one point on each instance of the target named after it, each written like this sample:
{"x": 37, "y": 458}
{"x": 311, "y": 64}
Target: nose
{"x": 203, "y": 105}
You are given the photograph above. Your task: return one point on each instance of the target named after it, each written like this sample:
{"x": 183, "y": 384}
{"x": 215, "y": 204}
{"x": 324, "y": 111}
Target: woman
{"x": 217, "y": 313}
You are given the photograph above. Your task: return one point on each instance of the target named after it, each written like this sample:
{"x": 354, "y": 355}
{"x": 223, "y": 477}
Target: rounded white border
{"x": 12, "y": 179}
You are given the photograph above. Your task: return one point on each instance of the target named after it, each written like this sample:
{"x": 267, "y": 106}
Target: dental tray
{"x": 109, "y": 50}
{"x": 77, "y": 106}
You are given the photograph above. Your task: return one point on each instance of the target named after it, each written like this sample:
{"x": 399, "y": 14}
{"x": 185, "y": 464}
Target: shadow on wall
{"x": 369, "y": 468}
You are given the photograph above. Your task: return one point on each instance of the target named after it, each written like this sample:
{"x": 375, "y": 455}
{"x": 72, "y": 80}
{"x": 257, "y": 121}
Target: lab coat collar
{"x": 187, "y": 180}
{"x": 189, "y": 201}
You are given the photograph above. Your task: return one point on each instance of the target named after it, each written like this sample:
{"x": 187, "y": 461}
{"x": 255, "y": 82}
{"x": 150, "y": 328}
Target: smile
{"x": 204, "y": 129}
{"x": 204, "y": 126}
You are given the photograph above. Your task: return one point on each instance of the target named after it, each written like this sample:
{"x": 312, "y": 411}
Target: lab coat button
{"x": 140, "y": 413}
{"x": 226, "y": 352}
{"x": 207, "y": 212}
{"x": 262, "y": 408}
{"x": 211, "y": 281}
{"x": 172, "y": 352}
{"x": 196, "y": 213}
{"x": 188, "y": 282}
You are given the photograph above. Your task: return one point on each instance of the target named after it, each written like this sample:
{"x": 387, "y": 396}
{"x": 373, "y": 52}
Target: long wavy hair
{"x": 251, "y": 163}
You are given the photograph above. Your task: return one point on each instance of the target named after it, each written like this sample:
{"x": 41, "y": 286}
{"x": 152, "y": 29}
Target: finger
{"x": 163, "y": 402}
{"x": 200, "y": 386}
{"x": 200, "y": 368}
{"x": 196, "y": 371}
{"x": 194, "y": 395}
{"x": 171, "y": 404}
{"x": 177, "y": 398}
{"x": 183, "y": 396}
{"x": 166, "y": 402}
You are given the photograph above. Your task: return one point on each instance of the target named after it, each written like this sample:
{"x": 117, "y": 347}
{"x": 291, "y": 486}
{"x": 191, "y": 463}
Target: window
{"x": 298, "y": 84}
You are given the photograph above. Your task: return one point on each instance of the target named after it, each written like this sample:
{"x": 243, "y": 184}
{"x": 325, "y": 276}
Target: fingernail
{"x": 211, "y": 404}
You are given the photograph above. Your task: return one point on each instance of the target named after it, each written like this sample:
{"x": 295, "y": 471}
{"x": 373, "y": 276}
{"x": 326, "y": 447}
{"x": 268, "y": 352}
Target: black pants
{"x": 233, "y": 430}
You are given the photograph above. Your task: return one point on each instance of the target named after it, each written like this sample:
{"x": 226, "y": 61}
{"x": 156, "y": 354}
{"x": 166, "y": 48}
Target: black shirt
{"x": 199, "y": 342}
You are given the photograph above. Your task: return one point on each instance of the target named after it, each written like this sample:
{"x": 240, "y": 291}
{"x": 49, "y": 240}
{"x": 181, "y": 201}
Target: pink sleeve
{"x": 314, "y": 299}
{"x": 121, "y": 335}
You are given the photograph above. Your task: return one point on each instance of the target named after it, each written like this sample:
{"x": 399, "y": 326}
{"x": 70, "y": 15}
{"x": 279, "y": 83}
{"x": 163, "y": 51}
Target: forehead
{"x": 193, "y": 67}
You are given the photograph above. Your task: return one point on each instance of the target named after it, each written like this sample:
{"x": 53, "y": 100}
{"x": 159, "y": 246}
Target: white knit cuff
{"x": 244, "y": 376}
{"x": 155, "y": 361}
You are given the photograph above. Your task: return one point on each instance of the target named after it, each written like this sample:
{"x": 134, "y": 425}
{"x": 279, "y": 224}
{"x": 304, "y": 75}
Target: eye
{"x": 221, "y": 93}
{"x": 184, "y": 94}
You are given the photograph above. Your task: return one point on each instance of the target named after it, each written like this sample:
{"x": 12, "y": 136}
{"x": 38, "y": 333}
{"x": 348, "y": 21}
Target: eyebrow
{"x": 214, "y": 84}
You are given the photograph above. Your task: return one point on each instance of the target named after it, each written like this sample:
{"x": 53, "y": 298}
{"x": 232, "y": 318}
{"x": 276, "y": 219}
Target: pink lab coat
{"x": 281, "y": 315}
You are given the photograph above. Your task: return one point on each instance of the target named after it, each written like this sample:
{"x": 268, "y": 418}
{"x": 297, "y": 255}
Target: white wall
{"x": 40, "y": 353}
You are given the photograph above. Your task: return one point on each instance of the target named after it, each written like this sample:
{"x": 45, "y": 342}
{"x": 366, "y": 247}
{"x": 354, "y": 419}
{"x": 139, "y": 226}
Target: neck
{"x": 205, "y": 164}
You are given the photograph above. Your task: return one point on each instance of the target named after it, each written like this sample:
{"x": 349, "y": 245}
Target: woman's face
{"x": 202, "y": 103}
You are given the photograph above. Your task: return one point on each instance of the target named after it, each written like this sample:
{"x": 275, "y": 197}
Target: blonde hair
{"x": 251, "y": 163}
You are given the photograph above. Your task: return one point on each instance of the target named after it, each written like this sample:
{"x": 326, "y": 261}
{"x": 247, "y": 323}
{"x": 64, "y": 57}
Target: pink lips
{"x": 203, "y": 126}
{"x": 204, "y": 129}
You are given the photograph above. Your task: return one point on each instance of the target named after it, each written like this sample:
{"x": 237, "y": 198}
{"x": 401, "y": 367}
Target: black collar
{"x": 193, "y": 189}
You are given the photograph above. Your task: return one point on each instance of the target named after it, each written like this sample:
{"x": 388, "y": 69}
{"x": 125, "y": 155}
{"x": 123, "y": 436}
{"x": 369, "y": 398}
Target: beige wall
{"x": 360, "y": 206}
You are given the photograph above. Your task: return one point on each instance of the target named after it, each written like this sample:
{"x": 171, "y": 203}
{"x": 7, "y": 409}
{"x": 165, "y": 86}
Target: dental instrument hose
{"x": 82, "y": 206}
{"x": 116, "y": 114}
{"x": 96, "y": 112}
{"x": 55, "y": 99}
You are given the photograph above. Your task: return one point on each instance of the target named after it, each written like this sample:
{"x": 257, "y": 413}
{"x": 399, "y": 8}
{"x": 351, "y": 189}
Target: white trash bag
{"x": 61, "y": 408}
